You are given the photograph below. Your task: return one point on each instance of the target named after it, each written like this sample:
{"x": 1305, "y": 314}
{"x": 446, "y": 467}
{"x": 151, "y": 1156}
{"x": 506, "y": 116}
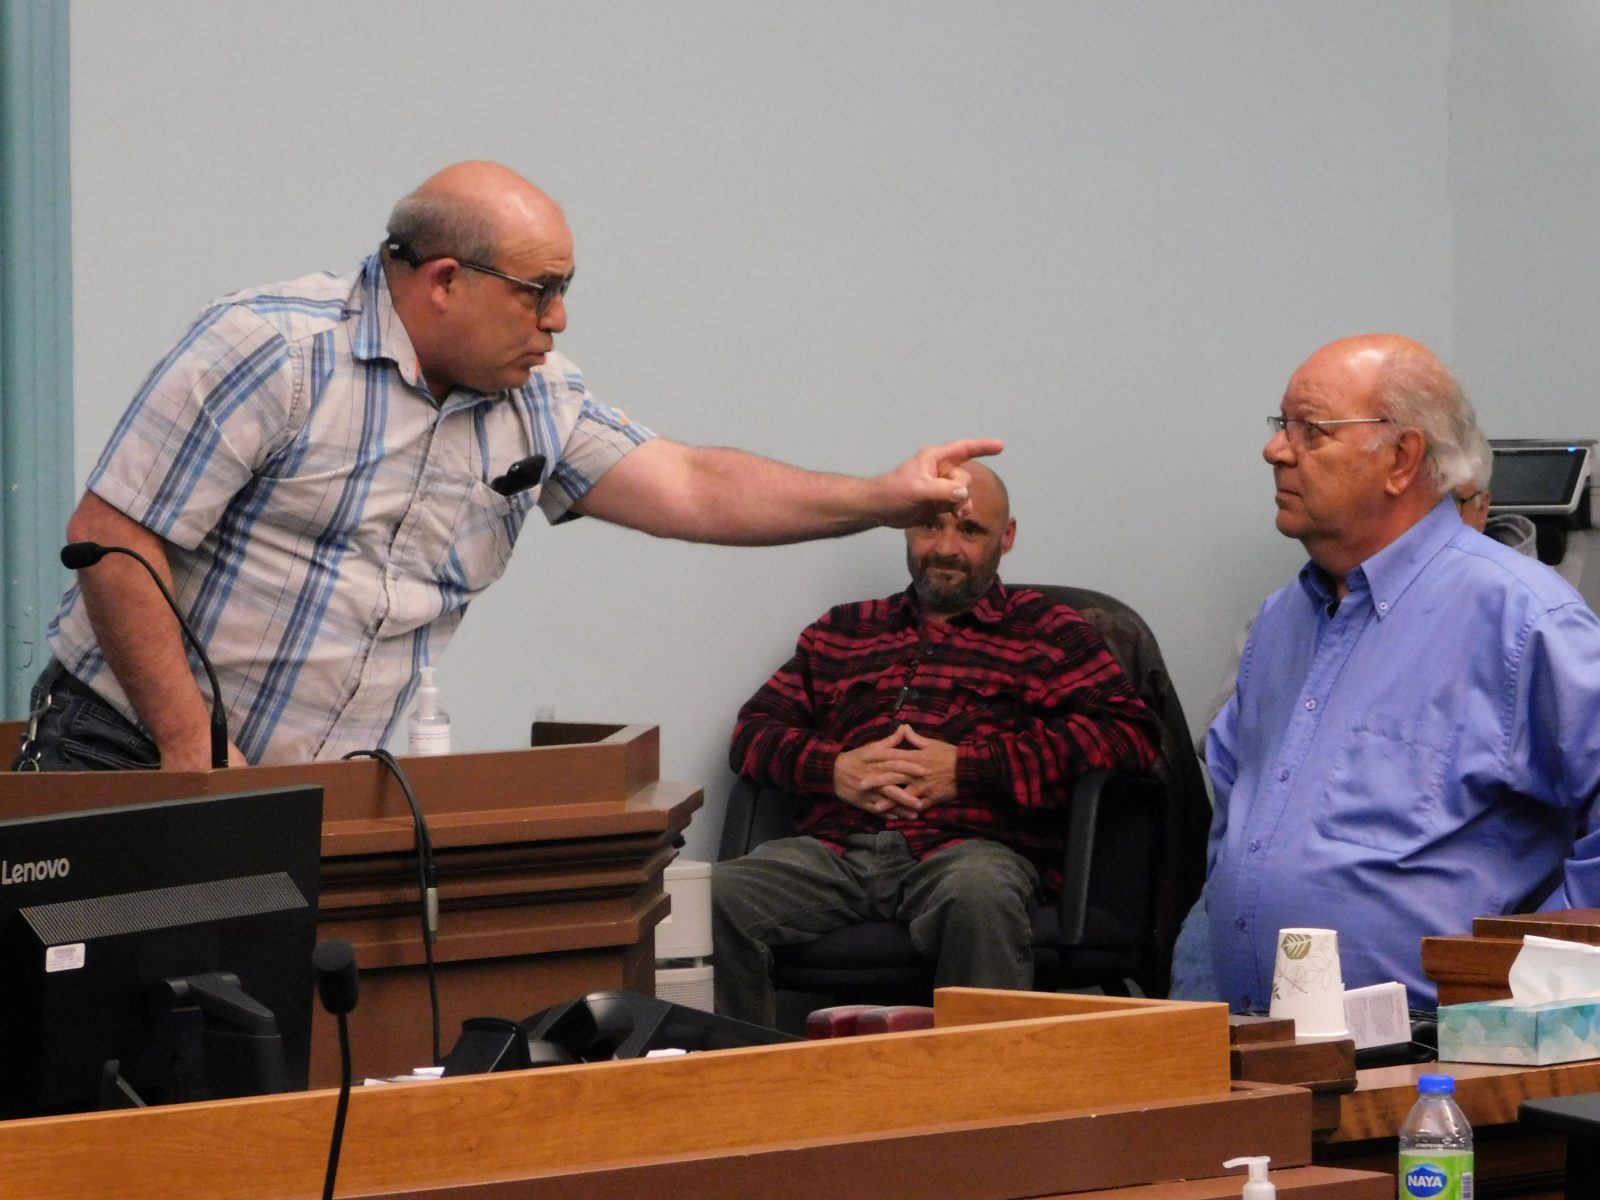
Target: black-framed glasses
{"x": 1300, "y": 431}
{"x": 544, "y": 291}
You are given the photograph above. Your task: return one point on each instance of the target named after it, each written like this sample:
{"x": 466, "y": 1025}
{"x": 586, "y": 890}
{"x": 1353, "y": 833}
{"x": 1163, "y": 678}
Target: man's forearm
{"x": 140, "y": 637}
{"x": 1033, "y": 767}
{"x": 749, "y": 500}
{"x": 732, "y": 497}
{"x": 793, "y": 757}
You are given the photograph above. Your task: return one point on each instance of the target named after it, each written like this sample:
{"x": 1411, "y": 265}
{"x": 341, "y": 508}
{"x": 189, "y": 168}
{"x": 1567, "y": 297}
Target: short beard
{"x": 938, "y": 598}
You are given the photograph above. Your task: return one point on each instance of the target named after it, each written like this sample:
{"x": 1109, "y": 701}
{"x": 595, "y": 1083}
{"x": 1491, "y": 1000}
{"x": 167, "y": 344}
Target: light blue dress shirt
{"x": 1421, "y": 755}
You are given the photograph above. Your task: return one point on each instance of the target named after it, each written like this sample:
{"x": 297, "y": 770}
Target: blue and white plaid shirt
{"x": 327, "y": 522}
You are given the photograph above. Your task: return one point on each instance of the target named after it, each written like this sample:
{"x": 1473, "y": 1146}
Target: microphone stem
{"x": 344, "y": 1106}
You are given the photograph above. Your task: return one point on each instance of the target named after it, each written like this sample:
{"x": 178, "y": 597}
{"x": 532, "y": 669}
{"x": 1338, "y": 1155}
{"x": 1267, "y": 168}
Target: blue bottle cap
{"x": 1437, "y": 1085}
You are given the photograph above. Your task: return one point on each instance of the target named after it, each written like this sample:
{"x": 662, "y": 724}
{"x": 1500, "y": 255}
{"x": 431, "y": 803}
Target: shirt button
{"x": 1255, "y": 847}
{"x": 1283, "y": 777}
{"x": 1240, "y": 923}
{"x": 1383, "y": 606}
{"x": 1310, "y": 704}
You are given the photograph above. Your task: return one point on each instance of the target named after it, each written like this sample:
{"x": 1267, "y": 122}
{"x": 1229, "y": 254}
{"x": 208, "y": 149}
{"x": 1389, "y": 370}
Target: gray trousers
{"x": 966, "y": 907}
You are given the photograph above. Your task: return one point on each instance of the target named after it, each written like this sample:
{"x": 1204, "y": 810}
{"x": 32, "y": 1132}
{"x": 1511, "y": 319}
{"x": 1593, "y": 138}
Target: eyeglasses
{"x": 1302, "y": 433}
{"x": 544, "y": 291}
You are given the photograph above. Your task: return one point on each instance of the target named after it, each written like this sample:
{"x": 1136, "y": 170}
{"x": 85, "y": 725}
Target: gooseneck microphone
{"x": 339, "y": 987}
{"x": 75, "y": 556}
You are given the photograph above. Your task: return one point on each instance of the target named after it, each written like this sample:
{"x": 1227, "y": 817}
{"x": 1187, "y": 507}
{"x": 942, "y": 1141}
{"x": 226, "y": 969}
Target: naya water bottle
{"x": 1436, "y": 1144}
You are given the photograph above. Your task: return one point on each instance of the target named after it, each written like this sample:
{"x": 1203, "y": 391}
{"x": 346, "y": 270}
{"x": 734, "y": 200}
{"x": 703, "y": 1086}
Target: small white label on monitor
{"x": 63, "y": 958}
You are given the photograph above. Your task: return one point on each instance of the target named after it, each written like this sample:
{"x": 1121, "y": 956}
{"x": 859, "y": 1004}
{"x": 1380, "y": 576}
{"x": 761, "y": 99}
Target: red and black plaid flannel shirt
{"x": 1022, "y": 686}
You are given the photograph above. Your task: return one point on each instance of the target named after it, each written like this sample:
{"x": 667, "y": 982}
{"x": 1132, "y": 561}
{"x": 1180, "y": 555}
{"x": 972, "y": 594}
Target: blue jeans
{"x": 1194, "y": 976}
{"x": 70, "y": 728}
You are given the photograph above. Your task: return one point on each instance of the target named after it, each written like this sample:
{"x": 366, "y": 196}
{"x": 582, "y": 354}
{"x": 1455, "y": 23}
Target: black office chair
{"x": 1134, "y": 861}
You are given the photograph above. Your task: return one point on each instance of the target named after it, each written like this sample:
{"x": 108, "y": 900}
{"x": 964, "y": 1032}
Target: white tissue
{"x": 1549, "y": 969}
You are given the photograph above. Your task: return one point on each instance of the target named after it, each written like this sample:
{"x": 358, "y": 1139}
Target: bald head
{"x": 954, "y": 558}
{"x": 477, "y": 211}
{"x": 988, "y": 491}
{"x": 1402, "y": 380}
{"x": 1376, "y": 433}
{"x": 478, "y": 265}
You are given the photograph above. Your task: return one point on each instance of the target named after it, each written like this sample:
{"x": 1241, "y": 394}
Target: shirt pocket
{"x": 475, "y": 544}
{"x": 850, "y": 699}
{"x": 1385, "y": 787}
{"x": 983, "y": 704}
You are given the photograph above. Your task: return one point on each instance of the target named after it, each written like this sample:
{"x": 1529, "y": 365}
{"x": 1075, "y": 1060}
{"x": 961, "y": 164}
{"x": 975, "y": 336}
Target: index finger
{"x": 955, "y": 453}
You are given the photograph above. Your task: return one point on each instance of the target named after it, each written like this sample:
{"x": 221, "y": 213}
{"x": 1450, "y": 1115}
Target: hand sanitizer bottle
{"x": 429, "y": 729}
{"x": 1259, "y": 1186}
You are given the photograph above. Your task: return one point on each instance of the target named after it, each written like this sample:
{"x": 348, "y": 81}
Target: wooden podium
{"x": 549, "y": 863}
{"x": 1011, "y": 1095}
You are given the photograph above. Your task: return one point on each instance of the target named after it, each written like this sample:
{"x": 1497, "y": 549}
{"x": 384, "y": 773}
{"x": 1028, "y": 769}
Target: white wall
{"x": 1525, "y": 125}
{"x": 829, "y": 232}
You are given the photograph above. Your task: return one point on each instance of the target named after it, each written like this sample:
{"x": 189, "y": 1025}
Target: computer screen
{"x": 1538, "y": 479}
{"x": 172, "y": 940}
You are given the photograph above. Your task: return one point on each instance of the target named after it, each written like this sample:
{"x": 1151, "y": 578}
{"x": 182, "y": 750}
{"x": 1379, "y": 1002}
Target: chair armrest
{"x": 755, "y": 813}
{"x": 1112, "y": 823}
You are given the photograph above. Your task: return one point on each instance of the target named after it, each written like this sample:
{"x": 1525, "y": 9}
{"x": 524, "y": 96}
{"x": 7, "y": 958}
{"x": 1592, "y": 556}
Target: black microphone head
{"x": 77, "y": 555}
{"x": 338, "y": 983}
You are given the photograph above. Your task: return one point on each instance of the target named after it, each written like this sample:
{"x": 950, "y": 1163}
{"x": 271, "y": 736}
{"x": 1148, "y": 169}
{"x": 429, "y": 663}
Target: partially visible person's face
{"x": 1474, "y": 506}
{"x": 1330, "y": 483}
{"x": 953, "y": 559}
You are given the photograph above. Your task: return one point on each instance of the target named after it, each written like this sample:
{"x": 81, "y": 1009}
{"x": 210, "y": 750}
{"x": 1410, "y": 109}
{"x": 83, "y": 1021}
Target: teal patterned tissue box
{"x": 1492, "y": 1031}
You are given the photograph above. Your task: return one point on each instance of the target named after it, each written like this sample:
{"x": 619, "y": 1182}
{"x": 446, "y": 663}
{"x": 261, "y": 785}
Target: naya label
{"x": 1434, "y": 1176}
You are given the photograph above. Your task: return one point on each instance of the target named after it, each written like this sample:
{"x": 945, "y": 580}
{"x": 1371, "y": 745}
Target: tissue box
{"x": 1492, "y": 1031}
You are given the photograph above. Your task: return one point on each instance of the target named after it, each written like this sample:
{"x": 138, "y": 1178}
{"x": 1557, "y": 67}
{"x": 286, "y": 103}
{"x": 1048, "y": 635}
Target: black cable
{"x": 339, "y": 1114}
{"x": 428, "y": 878}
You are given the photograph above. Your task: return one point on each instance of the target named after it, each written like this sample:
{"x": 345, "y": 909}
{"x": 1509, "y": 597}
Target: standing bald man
{"x": 323, "y": 472}
{"x": 1415, "y": 737}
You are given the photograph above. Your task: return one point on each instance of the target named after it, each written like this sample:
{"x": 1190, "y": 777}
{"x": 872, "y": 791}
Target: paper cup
{"x": 1307, "y": 985}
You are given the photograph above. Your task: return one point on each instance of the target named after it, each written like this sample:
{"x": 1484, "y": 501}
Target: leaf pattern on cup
{"x": 1307, "y": 965}
{"x": 1296, "y": 946}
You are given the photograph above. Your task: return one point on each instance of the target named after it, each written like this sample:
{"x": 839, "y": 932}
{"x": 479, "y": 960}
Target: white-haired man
{"x": 1415, "y": 736}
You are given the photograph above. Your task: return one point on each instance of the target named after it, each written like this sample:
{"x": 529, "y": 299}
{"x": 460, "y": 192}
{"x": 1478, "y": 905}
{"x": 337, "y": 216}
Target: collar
{"x": 1389, "y": 573}
{"x": 990, "y": 609}
{"x": 380, "y": 333}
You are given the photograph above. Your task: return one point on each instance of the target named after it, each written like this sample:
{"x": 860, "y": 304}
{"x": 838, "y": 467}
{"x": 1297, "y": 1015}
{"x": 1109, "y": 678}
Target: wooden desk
{"x": 549, "y": 866}
{"x": 1100, "y": 1095}
{"x": 1511, "y": 1159}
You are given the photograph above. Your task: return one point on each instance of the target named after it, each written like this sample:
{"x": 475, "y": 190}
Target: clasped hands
{"x": 902, "y": 775}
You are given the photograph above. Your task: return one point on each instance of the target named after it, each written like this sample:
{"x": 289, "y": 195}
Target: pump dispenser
{"x": 429, "y": 731}
{"x": 1258, "y": 1186}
